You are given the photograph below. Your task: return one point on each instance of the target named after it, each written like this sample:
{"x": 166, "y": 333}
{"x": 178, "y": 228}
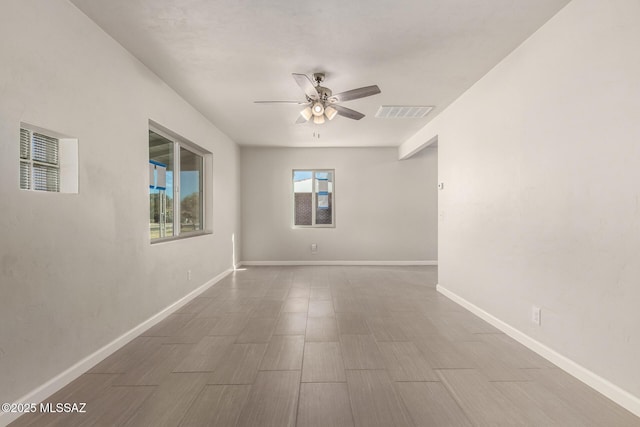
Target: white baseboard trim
{"x": 285, "y": 263}
{"x": 64, "y": 378}
{"x": 603, "y": 386}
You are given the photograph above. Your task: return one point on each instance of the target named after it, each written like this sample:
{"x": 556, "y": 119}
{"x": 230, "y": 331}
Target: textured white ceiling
{"x": 223, "y": 55}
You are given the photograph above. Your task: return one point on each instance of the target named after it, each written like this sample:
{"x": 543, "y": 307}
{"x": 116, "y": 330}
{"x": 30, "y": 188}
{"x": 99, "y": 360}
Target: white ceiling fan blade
{"x": 301, "y": 120}
{"x": 355, "y": 94}
{"x": 281, "y": 102}
{"x": 307, "y": 85}
{"x": 348, "y": 112}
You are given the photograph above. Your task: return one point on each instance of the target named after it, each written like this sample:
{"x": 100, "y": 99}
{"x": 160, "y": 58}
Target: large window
{"x": 176, "y": 193}
{"x": 313, "y": 201}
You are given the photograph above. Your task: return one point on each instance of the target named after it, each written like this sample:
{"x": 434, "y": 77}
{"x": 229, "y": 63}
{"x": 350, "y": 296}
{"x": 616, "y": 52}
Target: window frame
{"x": 313, "y": 198}
{"x": 178, "y": 143}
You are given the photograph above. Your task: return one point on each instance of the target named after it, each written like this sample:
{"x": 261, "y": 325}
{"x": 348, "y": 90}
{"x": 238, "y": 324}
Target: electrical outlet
{"x": 188, "y": 274}
{"x": 535, "y": 315}
{"x": 314, "y": 248}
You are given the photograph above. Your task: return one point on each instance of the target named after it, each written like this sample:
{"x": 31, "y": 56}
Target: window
{"x": 313, "y": 200}
{"x": 48, "y": 160}
{"x": 176, "y": 187}
{"x": 39, "y": 164}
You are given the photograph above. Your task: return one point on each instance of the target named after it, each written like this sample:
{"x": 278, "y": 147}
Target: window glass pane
{"x": 191, "y": 206}
{"x": 302, "y": 197}
{"x": 161, "y": 201}
{"x": 324, "y": 197}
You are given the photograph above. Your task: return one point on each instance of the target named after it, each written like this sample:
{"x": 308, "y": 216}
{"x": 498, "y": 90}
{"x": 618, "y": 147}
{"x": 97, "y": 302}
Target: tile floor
{"x": 328, "y": 346}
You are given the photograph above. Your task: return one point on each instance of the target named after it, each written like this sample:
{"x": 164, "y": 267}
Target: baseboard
{"x": 64, "y": 378}
{"x": 603, "y": 386}
{"x": 386, "y": 263}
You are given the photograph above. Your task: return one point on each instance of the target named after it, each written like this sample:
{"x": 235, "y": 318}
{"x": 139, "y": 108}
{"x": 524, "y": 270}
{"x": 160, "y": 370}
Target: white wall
{"x": 541, "y": 165}
{"x": 77, "y": 270}
{"x": 386, "y": 210}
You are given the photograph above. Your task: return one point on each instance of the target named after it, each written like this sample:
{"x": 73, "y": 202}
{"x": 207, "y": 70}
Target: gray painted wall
{"x": 386, "y": 209}
{"x": 77, "y": 270}
{"x": 541, "y": 206}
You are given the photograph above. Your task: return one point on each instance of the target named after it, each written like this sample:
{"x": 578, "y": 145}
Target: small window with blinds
{"x": 39, "y": 161}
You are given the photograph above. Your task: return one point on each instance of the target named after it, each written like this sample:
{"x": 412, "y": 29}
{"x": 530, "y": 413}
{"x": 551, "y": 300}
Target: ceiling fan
{"x": 320, "y": 101}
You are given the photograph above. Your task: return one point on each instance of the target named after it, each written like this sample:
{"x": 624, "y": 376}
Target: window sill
{"x": 180, "y": 237}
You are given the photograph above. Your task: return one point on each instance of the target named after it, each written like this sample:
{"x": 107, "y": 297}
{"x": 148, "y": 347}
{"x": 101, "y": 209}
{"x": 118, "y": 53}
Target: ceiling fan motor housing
{"x": 323, "y": 93}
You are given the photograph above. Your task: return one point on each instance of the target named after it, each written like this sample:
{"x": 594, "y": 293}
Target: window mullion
{"x": 313, "y": 198}
{"x": 49, "y": 165}
{"x": 176, "y": 189}
{"x": 203, "y": 214}
{"x": 32, "y": 176}
{"x": 332, "y": 196}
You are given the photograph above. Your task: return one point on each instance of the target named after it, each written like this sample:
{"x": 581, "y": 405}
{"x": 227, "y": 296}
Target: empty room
{"x": 296, "y": 213}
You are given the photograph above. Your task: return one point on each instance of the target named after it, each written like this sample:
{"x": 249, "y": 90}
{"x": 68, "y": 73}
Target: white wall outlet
{"x": 314, "y": 248}
{"x": 188, "y": 274}
{"x": 535, "y": 315}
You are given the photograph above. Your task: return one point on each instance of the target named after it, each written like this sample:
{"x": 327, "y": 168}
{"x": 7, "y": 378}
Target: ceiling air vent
{"x": 403, "y": 111}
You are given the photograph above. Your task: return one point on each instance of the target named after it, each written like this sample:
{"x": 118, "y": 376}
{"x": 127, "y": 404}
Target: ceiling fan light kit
{"x": 320, "y": 101}
{"x": 330, "y": 112}
{"x": 318, "y": 109}
{"x": 306, "y": 113}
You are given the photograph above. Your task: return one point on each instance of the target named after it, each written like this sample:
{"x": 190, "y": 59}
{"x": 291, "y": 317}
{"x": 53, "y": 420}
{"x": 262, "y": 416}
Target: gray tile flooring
{"x": 328, "y": 346}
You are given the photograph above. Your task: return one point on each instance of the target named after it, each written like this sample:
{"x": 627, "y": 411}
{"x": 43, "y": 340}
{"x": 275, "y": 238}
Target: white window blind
{"x": 25, "y": 157}
{"x": 39, "y": 162}
{"x": 25, "y": 144}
